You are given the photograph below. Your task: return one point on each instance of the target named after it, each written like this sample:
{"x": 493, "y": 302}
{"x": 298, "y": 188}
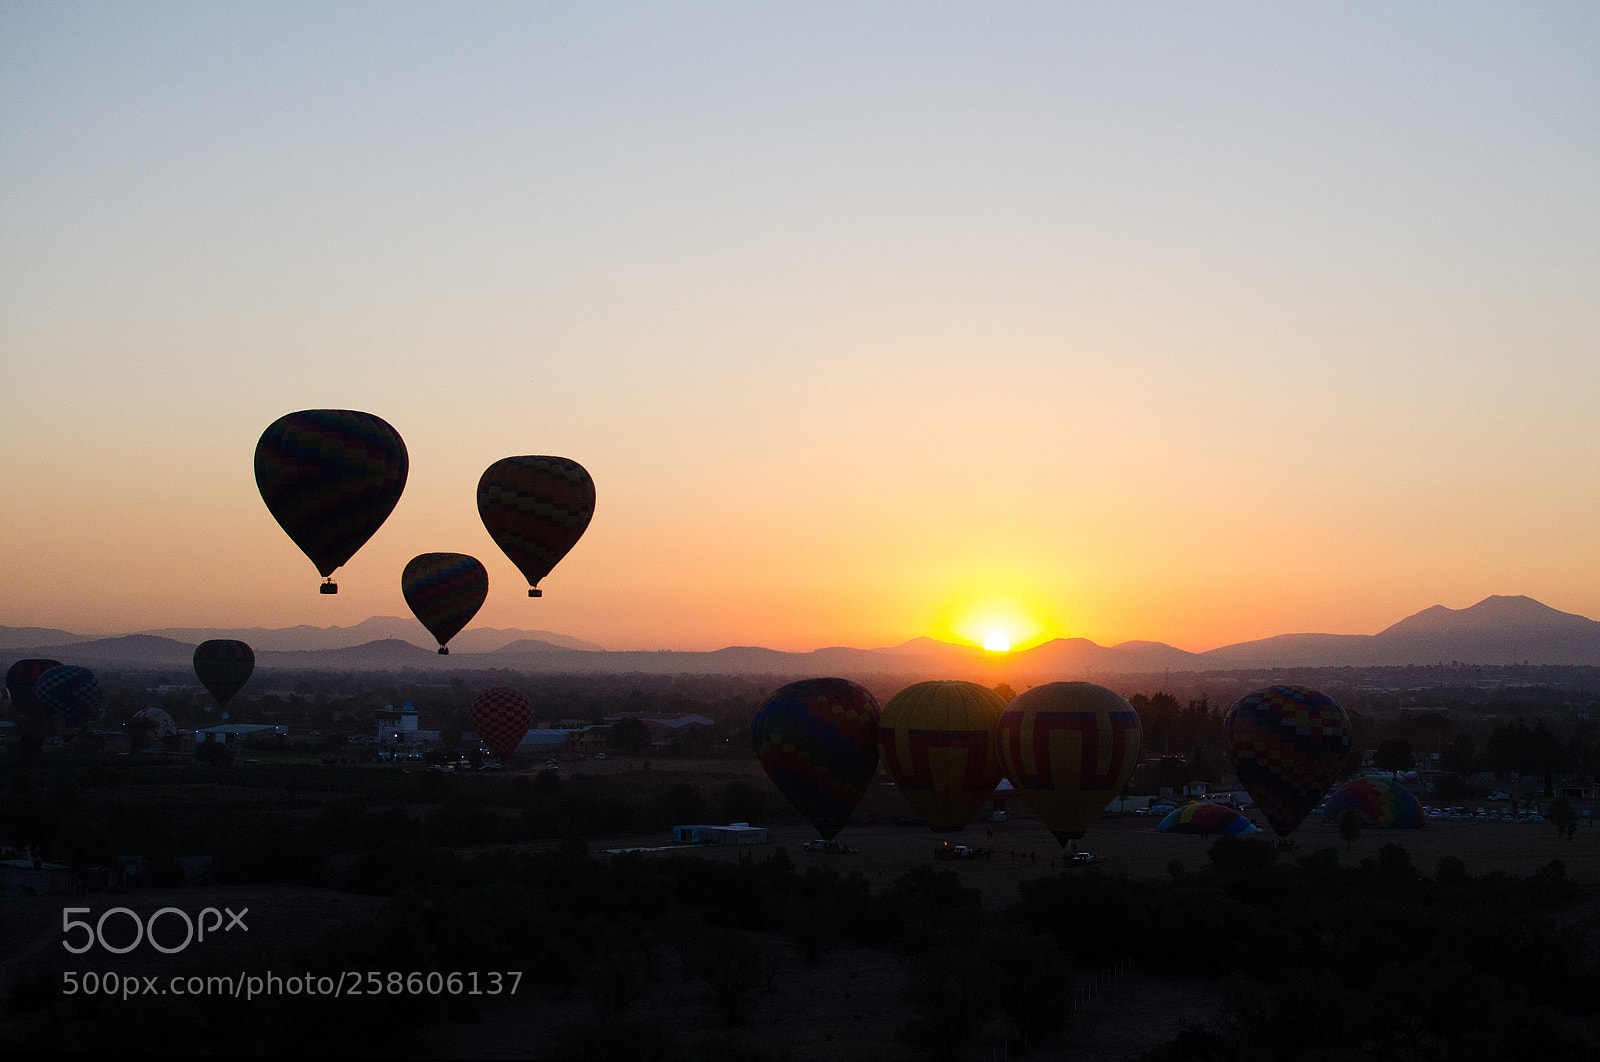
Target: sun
{"x": 997, "y": 642}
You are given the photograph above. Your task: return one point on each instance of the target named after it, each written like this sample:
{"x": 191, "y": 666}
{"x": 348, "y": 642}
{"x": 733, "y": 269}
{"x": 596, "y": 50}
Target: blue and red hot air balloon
{"x": 1286, "y": 744}
{"x": 818, "y": 741}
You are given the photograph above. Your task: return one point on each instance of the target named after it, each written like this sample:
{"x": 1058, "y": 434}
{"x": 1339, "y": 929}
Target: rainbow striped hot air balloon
{"x": 1206, "y": 819}
{"x": 444, "y": 590}
{"x": 1381, "y": 802}
{"x": 817, "y": 739}
{"x": 1286, "y": 744}
{"x": 938, "y": 742}
{"x": 1069, "y": 748}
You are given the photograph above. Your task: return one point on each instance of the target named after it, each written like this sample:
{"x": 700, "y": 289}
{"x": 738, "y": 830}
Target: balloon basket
{"x": 534, "y": 591}
{"x": 328, "y": 588}
{"x": 443, "y": 651}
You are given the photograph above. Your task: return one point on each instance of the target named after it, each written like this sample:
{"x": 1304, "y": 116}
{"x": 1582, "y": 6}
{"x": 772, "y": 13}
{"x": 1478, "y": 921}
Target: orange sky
{"x": 1055, "y": 320}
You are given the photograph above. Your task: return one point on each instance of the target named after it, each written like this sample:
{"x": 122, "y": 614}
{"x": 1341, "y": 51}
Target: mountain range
{"x": 1497, "y": 630}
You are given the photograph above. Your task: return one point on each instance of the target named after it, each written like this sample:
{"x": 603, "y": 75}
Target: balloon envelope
{"x": 937, "y": 740}
{"x": 535, "y": 509}
{"x": 1069, "y": 748}
{"x": 161, "y": 724}
{"x": 223, "y": 666}
{"x": 330, "y": 477}
{"x": 500, "y": 716}
{"x": 1286, "y": 744}
{"x": 1206, "y": 819}
{"x": 71, "y": 694}
{"x": 21, "y": 680}
{"x": 444, "y": 590}
{"x": 1380, "y": 802}
{"x": 817, "y": 739}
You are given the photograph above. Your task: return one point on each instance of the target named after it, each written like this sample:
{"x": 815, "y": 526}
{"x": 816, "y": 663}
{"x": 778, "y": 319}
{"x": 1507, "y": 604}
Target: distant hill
{"x": 1497, "y": 630}
{"x": 22, "y": 637}
{"x": 373, "y": 629}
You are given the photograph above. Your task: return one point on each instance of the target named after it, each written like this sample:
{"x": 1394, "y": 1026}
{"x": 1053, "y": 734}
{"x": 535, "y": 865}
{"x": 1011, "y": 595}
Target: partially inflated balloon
{"x": 445, "y": 590}
{"x": 71, "y": 694}
{"x": 21, "y": 679}
{"x": 535, "y": 509}
{"x": 500, "y": 716}
{"x": 817, "y": 739}
{"x": 937, "y": 741}
{"x": 223, "y": 666}
{"x": 160, "y": 723}
{"x": 330, "y": 477}
{"x": 1286, "y": 744}
{"x": 1069, "y": 748}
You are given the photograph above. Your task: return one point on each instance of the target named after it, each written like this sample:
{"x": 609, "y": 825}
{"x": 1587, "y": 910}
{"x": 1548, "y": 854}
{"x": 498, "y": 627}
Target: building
{"x": 233, "y": 733}
{"x": 397, "y": 724}
{"x": 734, "y": 833}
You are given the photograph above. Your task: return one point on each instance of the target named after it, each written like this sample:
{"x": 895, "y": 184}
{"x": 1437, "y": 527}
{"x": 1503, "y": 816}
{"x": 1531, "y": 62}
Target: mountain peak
{"x": 1494, "y": 612}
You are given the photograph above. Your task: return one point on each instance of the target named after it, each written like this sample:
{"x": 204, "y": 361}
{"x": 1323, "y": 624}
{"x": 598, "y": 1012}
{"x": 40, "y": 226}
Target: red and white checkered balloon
{"x": 501, "y": 715}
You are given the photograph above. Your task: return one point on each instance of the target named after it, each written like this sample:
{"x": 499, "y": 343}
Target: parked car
{"x": 1081, "y": 859}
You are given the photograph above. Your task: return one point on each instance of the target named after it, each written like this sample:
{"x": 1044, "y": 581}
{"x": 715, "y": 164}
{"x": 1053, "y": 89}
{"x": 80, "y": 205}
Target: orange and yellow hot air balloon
{"x": 938, "y": 742}
{"x": 1069, "y": 748}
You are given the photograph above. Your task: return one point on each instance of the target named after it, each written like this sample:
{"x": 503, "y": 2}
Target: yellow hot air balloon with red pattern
{"x": 938, "y": 742}
{"x": 1069, "y": 748}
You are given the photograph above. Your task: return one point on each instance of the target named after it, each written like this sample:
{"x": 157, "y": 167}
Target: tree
{"x": 1563, "y": 818}
{"x": 1349, "y": 827}
{"x": 629, "y": 735}
{"x": 1005, "y": 692}
{"x": 1394, "y": 755}
{"x": 734, "y": 967}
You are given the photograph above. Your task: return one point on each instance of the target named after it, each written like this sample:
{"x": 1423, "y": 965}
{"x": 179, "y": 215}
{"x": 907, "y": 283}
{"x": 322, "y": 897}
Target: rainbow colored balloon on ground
{"x": 1286, "y": 744}
{"x": 1380, "y": 802}
{"x": 817, "y": 739}
{"x": 1206, "y": 819}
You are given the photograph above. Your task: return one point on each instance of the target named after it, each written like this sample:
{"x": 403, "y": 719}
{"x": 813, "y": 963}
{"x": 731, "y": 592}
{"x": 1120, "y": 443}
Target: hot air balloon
{"x": 223, "y": 666}
{"x": 1380, "y": 802}
{"x": 1069, "y": 748}
{"x": 500, "y": 716}
{"x": 330, "y": 477}
{"x": 817, "y": 739}
{"x": 445, "y": 590}
{"x": 535, "y": 509}
{"x": 20, "y": 682}
{"x": 71, "y": 694}
{"x": 937, "y": 740}
{"x": 1286, "y": 744}
{"x": 161, "y": 724}
{"x": 1206, "y": 819}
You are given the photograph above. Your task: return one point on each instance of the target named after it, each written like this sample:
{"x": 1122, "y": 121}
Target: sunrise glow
{"x": 997, "y": 642}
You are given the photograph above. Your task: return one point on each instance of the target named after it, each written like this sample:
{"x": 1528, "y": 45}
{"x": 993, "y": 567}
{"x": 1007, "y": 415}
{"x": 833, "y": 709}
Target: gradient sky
{"x": 1194, "y": 323}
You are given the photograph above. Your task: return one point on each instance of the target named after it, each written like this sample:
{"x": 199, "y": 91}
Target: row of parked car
{"x": 1481, "y": 814}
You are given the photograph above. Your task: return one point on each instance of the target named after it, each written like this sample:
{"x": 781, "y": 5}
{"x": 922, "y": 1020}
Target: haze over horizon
{"x": 1058, "y": 320}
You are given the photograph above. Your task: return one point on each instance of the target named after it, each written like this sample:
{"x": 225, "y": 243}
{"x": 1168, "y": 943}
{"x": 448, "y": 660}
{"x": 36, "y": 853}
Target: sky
{"x": 1181, "y": 322}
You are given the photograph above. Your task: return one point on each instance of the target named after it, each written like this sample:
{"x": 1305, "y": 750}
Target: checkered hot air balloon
{"x": 444, "y": 590}
{"x": 1286, "y": 744}
{"x": 223, "y": 666}
{"x": 500, "y": 715}
{"x": 938, "y": 742}
{"x": 71, "y": 694}
{"x": 817, "y": 739}
{"x": 330, "y": 477}
{"x": 535, "y": 509}
{"x": 1069, "y": 748}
